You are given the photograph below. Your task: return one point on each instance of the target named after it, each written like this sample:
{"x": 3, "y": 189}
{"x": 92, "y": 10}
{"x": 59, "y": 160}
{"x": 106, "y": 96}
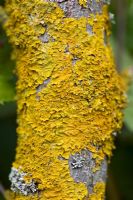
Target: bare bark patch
{"x": 43, "y": 85}
{"x": 72, "y": 8}
{"x": 82, "y": 168}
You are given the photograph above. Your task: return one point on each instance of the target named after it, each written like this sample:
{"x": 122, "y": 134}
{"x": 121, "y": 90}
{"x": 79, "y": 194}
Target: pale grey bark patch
{"x": 89, "y": 29}
{"x": 74, "y": 60}
{"x": 43, "y": 85}
{"x": 44, "y": 38}
{"x": 40, "y": 87}
{"x": 72, "y": 8}
{"x": 82, "y": 169}
{"x": 18, "y": 184}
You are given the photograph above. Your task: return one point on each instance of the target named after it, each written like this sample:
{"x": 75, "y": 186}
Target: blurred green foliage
{"x": 128, "y": 62}
{"x": 129, "y": 109}
{"x": 129, "y": 19}
{"x": 7, "y": 86}
{"x": 7, "y": 78}
{"x": 126, "y": 58}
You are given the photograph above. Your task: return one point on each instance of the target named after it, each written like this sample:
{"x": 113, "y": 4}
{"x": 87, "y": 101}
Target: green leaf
{"x": 7, "y": 92}
{"x": 7, "y": 78}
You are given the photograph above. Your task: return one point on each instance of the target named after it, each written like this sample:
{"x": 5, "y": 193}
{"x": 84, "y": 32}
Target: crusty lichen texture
{"x": 69, "y": 94}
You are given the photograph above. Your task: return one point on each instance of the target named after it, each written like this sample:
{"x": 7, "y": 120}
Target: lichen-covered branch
{"x": 70, "y": 98}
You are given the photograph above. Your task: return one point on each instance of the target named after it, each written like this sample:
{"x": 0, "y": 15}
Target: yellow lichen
{"x": 78, "y": 109}
{"x": 83, "y": 3}
{"x": 98, "y": 192}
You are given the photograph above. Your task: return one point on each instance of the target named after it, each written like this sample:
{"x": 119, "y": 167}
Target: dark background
{"x": 120, "y": 173}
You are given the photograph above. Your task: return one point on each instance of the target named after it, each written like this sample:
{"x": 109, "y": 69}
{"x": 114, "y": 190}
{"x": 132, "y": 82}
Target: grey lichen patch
{"x": 72, "y": 8}
{"x": 19, "y": 185}
{"x": 82, "y": 168}
{"x": 77, "y": 161}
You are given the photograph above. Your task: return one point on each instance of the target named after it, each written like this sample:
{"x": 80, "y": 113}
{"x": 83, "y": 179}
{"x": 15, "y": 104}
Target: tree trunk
{"x": 69, "y": 98}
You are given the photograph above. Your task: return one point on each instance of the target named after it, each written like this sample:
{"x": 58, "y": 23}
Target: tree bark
{"x": 70, "y": 98}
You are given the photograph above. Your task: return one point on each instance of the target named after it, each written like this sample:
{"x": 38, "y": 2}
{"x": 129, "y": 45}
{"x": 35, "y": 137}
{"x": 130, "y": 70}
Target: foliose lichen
{"x": 77, "y": 161}
{"x": 79, "y": 108}
{"x": 18, "y": 183}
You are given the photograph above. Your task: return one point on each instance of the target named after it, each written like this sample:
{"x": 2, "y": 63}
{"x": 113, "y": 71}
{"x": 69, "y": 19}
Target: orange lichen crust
{"x": 69, "y": 95}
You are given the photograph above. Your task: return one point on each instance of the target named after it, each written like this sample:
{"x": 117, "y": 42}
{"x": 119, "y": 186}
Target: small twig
{"x": 3, "y": 15}
{"x": 2, "y": 190}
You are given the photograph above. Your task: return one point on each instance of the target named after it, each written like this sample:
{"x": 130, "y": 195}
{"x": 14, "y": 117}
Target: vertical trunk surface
{"x": 69, "y": 98}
